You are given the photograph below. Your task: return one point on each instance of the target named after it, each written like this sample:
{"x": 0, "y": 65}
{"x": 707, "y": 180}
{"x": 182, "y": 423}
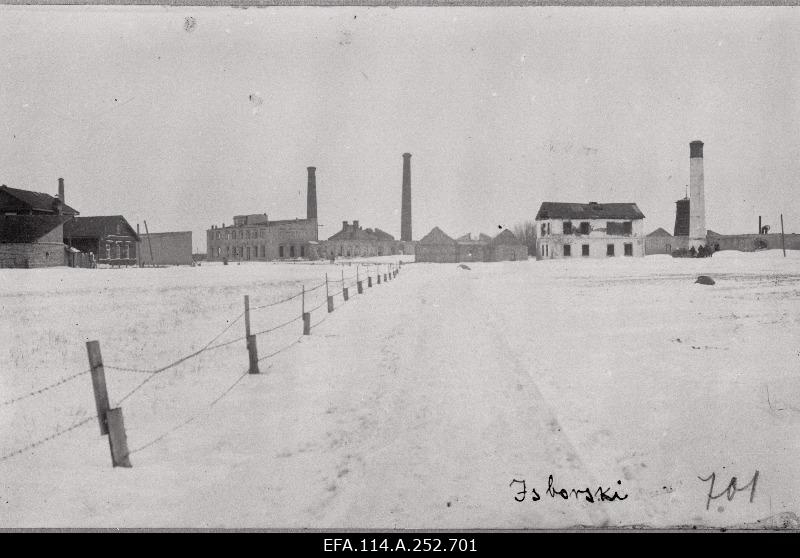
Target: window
{"x": 291, "y": 251}
{"x": 218, "y": 251}
{"x": 627, "y": 227}
{"x": 584, "y": 228}
{"x": 567, "y": 227}
{"x": 133, "y": 250}
{"x": 585, "y": 250}
{"x": 544, "y": 229}
{"x": 108, "y": 250}
{"x": 567, "y": 250}
{"x": 628, "y": 249}
{"x": 280, "y": 251}
{"x": 609, "y": 249}
{"x": 302, "y": 251}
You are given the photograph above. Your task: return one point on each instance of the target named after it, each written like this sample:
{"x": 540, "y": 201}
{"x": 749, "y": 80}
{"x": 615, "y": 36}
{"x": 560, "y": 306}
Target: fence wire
{"x": 41, "y": 390}
{"x": 152, "y": 373}
{"x": 46, "y": 439}
{"x": 284, "y": 324}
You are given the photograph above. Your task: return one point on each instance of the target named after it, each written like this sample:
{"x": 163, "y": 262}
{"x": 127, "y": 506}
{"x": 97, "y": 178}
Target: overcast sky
{"x": 501, "y": 108}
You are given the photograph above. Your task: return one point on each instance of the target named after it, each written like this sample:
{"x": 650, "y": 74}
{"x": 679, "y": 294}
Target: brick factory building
{"x": 355, "y": 241}
{"x": 255, "y": 237}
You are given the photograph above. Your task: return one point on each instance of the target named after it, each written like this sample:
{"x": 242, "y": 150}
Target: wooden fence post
{"x": 117, "y": 439}
{"x": 328, "y": 295}
{"x": 252, "y": 348}
{"x": 783, "y": 240}
{"x": 111, "y": 422}
{"x": 98, "y": 383}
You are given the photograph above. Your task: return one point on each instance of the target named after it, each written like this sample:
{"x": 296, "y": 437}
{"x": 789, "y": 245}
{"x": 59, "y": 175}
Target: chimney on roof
{"x": 61, "y": 191}
{"x": 355, "y": 225}
{"x": 405, "y": 214}
{"x": 344, "y": 225}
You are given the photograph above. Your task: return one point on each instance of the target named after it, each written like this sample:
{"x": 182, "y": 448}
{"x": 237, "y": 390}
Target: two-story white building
{"x": 589, "y": 230}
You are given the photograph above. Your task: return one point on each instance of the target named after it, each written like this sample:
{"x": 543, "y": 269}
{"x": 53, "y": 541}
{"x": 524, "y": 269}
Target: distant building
{"x": 166, "y": 248}
{"x": 354, "y": 241}
{"x": 255, "y": 237}
{"x": 437, "y": 246}
{"x": 110, "y": 238}
{"x": 568, "y": 230}
{"x": 28, "y": 241}
{"x": 24, "y": 202}
{"x": 31, "y": 228}
{"x": 506, "y": 246}
{"x": 659, "y": 242}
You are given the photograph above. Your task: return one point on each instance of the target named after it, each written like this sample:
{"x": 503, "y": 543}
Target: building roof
{"x": 659, "y": 232}
{"x": 467, "y": 238}
{"x": 504, "y": 238}
{"x": 436, "y": 236}
{"x": 557, "y": 210}
{"x": 37, "y": 201}
{"x": 351, "y": 232}
{"x": 97, "y": 227}
{"x": 25, "y": 229}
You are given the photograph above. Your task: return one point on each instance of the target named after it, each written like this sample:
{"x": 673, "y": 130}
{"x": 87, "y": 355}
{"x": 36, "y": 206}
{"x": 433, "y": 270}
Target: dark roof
{"x": 37, "y": 201}
{"x": 25, "y": 229}
{"x": 96, "y": 227}
{"x": 659, "y": 232}
{"x": 505, "y": 237}
{"x": 352, "y": 233}
{"x": 556, "y": 210}
{"x": 436, "y": 236}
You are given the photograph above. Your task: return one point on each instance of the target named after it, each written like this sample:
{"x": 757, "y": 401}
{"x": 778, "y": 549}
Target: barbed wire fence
{"x": 110, "y": 419}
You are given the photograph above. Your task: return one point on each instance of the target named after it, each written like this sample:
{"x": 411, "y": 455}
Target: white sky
{"x": 501, "y": 108}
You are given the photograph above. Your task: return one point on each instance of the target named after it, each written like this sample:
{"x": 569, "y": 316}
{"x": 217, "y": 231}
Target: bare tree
{"x": 526, "y": 232}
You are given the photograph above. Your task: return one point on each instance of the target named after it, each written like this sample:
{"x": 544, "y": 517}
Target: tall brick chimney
{"x": 405, "y": 216}
{"x": 311, "y": 200}
{"x": 697, "y": 201}
{"x": 61, "y": 191}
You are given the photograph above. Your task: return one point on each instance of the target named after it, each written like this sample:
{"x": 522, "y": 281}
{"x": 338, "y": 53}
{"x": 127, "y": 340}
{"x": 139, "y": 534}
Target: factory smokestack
{"x": 61, "y": 191}
{"x": 405, "y": 216}
{"x": 311, "y": 202}
{"x": 697, "y": 203}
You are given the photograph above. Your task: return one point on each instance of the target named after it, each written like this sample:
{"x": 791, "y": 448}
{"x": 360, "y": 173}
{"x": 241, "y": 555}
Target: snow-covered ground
{"x": 413, "y": 405}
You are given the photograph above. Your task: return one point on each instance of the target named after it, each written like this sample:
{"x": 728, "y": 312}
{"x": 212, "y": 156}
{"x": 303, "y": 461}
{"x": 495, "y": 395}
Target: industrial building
{"x": 593, "y": 230}
{"x": 256, "y": 237}
{"x": 354, "y": 241}
{"x": 437, "y": 246}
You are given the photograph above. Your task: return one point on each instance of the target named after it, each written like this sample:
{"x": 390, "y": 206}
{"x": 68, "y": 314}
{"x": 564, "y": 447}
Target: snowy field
{"x": 414, "y": 405}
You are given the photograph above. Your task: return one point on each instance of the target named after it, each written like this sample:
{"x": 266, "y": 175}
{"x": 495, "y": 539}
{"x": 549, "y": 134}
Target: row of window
{"x": 567, "y": 248}
{"x": 612, "y": 228}
{"x": 259, "y": 251}
{"x": 120, "y": 250}
{"x": 247, "y": 234}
